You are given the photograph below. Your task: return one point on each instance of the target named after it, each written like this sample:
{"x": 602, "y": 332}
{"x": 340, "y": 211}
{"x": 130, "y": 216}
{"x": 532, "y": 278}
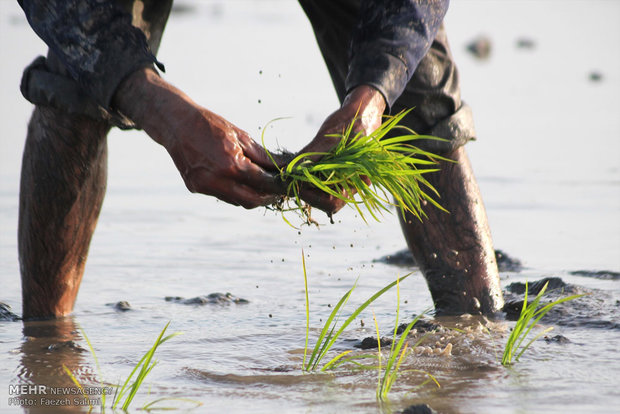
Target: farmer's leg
{"x": 454, "y": 250}
{"x": 62, "y": 187}
{"x": 458, "y": 261}
{"x": 63, "y": 181}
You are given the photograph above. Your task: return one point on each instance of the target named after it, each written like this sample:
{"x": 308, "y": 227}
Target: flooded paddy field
{"x": 546, "y": 108}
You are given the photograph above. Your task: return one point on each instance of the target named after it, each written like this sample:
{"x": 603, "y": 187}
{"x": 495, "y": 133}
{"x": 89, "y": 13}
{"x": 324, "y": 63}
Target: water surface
{"x": 547, "y": 163}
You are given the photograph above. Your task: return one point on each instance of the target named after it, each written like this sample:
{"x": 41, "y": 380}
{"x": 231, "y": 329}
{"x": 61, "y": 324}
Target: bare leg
{"x": 454, "y": 250}
{"x": 63, "y": 183}
{"x": 62, "y": 188}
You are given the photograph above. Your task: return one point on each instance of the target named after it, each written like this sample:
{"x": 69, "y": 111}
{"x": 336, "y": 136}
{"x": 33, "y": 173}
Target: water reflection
{"x": 43, "y": 383}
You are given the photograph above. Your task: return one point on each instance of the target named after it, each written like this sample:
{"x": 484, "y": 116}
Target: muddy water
{"x": 546, "y": 159}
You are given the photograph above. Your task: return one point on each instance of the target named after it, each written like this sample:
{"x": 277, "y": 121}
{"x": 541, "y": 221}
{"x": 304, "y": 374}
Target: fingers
{"x": 232, "y": 191}
{"x": 321, "y": 200}
{"x": 243, "y": 195}
{"x": 242, "y": 183}
{"x": 255, "y": 152}
{"x": 260, "y": 180}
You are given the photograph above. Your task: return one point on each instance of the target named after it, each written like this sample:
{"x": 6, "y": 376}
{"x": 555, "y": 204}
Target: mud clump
{"x": 121, "y": 306}
{"x": 421, "y": 326}
{"x": 557, "y": 339}
{"x": 506, "y": 263}
{"x": 6, "y": 314}
{"x": 372, "y": 343}
{"x": 210, "y": 299}
{"x": 534, "y": 288}
{"x": 65, "y": 345}
{"x": 525, "y": 43}
{"x": 404, "y": 258}
{"x": 480, "y": 47}
{"x": 597, "y": 274}
{"x": 596, "y": 309}
{"x": 419, "y": 409}
{"x": 595, "y": 76}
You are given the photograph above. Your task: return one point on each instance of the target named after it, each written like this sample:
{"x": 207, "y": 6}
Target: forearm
{"x": 154, "y": 105}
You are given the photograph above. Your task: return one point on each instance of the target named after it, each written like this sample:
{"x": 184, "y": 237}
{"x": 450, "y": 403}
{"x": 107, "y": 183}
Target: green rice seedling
{"x": 393, "y": 165}
{"x": 388, "y": 375}
{"x": 131, "y": 385}
{"x": 77, "y": 384}
{"x": 330, "y": 332}
{"x": 141, "y": 370}
{"x": 529, "y": 317}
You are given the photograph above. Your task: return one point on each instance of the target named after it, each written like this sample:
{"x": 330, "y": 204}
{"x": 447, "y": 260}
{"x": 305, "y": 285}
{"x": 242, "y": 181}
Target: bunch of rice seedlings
{"x": 330, "y": 332}
{"x": 529, "y": 317}
{"x": 393, "y": 165}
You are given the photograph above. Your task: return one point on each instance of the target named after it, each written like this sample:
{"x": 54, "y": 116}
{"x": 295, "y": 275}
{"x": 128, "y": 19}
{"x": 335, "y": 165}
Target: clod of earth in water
{"x": 6, "y": 314}
{"x": 419, "y": 409}
{"x": 122, "y": 306}
{"x": 210, "y": 299}
{"x": 65, "y": 345}
{"x": 595, "y": 310}
{"x": 558, "y": 339}
{"x": 534, "y": 288}
{"x": 595, "y": 76}
{"x": 404, "y": 258}
{"x": 371, "y": 342}
{"x": 597, "y": 274}
{"x": 525, "y": 43}
{"x": 480, "y": 47}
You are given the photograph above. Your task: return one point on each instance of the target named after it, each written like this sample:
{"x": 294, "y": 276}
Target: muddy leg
{"x": 62, "y": 188}
{"x": 454, "y": 250}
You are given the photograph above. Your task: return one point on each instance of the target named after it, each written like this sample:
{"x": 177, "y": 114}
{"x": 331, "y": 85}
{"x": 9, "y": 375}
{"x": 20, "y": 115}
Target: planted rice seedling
{"x": 135, "y": 379}
{"x": 530, "y": 315}
{"x": 330, "y": 332}
{"x": 387, "y": 376}
{"x": 394, "y": 165}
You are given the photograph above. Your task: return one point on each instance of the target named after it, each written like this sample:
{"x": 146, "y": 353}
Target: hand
{"x": 213, "y": 156}
{"x": 364, "y": 106}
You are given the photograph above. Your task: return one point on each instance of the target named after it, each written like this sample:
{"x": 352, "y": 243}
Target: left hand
{"x": 364, "y": 106}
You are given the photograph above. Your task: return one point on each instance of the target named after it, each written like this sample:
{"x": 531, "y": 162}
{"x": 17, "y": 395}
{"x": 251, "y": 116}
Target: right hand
{"x": 364, "y": 107}
{"x": 213, "y": 156}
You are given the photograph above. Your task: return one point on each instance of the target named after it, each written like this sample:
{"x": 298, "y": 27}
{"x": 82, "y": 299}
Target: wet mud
{"x": 419, "y": 409}
{"x": 597, "y": 309}
{"x": 404, "y": 258}
{"x": 210, "y": 299}
{"x": 597, "y": 274}
{"x": 121, "y": 306}
{"x": 6, "y": 314}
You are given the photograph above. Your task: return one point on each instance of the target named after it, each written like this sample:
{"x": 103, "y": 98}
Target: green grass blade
{"x": 303, "y": 262}
{"x": 335, "y": 359}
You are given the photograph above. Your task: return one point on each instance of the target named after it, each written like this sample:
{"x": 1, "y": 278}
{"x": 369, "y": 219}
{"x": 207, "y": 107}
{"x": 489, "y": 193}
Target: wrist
{"x": 367, "y": 105}
{"x": 364, "y": 96}
{"x": 153, "y": 104}
{"x": 132, "y": 95}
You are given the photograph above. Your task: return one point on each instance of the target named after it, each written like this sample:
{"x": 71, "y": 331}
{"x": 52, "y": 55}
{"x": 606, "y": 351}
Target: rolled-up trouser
{"x": 433, "y": 91}
{"x": 46, "y": 82}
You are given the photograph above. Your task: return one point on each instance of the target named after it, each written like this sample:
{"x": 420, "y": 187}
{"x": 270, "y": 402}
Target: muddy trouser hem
{"x": 45, "y": 81}
{"x": 433, "y": 90}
